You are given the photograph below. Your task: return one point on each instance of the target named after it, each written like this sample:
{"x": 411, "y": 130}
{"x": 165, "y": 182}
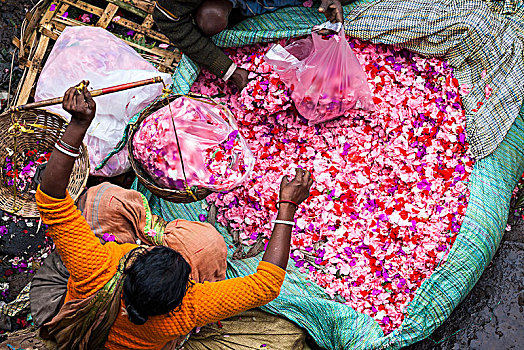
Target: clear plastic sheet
{"x": 94, "y": 54}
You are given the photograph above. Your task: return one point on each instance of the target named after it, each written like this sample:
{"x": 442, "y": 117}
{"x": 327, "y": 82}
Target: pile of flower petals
{"x": 390, "y": 187}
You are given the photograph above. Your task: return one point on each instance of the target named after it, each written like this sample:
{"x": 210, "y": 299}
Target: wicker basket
{"x": 45, "y": 129}
{"x": 171, "y": 195}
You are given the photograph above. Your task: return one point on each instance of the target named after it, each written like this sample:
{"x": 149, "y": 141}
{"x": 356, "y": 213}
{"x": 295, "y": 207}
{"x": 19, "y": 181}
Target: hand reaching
{"x": 296, "y": 190}
{"x": 333, "y": 10}
{"x": 240, "y": 78}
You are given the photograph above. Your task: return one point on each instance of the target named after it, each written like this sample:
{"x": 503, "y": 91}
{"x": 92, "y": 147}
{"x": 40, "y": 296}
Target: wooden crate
{"x": 44, "y": 24}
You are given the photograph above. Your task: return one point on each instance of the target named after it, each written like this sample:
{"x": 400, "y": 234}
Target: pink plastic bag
{"x": 215, "y": 154}
{"x": 324, "y": 75}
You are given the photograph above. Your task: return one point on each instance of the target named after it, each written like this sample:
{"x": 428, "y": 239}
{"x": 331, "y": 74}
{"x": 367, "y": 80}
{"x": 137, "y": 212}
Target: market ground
{"x": 491, "y": 316}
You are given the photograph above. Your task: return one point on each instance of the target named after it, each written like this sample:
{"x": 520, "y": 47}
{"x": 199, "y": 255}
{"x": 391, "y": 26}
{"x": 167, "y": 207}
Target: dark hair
{"x": 155, "y": 284}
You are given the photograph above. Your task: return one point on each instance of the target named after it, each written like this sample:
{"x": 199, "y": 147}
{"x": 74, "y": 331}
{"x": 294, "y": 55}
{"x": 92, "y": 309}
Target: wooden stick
{"x": 98, "y": 92}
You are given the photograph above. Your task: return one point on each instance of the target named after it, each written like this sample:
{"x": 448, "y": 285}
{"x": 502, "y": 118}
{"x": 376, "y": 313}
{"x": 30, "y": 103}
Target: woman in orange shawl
{"x": 122, "y": 296}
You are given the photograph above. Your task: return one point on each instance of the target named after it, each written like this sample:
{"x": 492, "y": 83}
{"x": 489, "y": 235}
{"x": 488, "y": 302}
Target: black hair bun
{"x": 155, "y": 284}
{"x": 135, "y": 316}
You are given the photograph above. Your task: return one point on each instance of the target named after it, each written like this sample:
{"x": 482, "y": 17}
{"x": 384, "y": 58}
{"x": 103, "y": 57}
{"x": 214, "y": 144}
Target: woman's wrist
{"x": 75, "y": 133}
{"x": 286, "y": 211}
{"x": 80, "y": 124}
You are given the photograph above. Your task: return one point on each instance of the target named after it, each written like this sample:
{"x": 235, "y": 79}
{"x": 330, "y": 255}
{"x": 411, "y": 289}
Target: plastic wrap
{"x": 94, "y": 54}
{"x": 215, "y": 155}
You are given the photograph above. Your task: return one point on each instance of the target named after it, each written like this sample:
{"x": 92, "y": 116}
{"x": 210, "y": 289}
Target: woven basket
{"x": 144, "y": 177}
{"x": 46, "y": 128}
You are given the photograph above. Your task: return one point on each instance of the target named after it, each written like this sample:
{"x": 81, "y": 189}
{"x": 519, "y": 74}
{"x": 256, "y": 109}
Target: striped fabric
{"x": 251, "y": 8}
{"x": 19, "y": 305}
{"x": 474, "y": 36}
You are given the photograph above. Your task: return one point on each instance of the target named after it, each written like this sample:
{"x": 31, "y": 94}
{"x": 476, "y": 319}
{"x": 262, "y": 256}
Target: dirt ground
{"x": 11, "y": 15}
{"x": 491, "y": 316}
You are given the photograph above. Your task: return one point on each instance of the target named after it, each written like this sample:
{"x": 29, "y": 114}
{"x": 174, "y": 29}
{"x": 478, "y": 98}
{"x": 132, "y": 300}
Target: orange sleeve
{"x": 213, "y": 301}
{"x": 90, "y": 263}
{"x": 220, "y": 300}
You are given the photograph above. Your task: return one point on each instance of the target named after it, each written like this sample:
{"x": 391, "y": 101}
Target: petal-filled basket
{"x": 33, "y": 131}
{"x": 183, "y": 147}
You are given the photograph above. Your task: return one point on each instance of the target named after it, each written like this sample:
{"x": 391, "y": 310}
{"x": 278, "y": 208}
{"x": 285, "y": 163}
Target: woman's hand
{"x": 296, "y": 190}
{"x": 82, "y": 108}
{"x": 80, "y": 105}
